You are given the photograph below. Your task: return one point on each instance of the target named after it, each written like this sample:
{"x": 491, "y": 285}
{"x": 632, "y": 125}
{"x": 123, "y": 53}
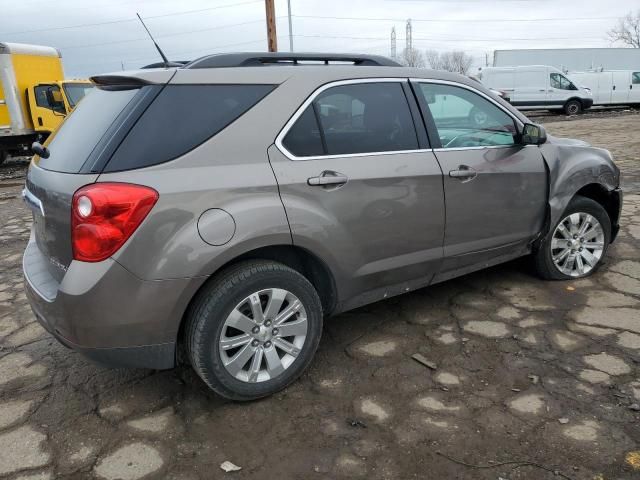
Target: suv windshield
{"x": 76, "y": 92}
{"x": 72, "y": 143}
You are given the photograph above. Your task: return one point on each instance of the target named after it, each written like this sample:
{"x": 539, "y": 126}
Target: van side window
{"x": 42, "y": 99}
{"x": 358, "y": 118}
{"x": 635, "y": 78}
{"x": 465, "y": 119}
{"x": 561, "y": 82}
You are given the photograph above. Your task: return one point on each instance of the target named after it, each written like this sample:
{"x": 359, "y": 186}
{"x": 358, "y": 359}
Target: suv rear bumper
{"x": 106, "y": 313}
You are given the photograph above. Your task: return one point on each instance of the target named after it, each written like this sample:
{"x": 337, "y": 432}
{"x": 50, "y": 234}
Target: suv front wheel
{"x": 575, "y": 245}
{"x": 254, "y": 329}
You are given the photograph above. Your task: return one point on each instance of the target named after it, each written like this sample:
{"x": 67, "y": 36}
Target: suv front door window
{"x": 465, "y": 119}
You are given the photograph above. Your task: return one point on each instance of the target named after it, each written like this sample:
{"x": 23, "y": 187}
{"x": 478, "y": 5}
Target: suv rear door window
{"x": 354, "y": 119}
{"x": 181, "y": 118}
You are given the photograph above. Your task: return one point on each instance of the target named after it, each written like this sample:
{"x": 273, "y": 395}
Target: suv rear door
{"x": 495, "y": 188}
{"x": 361, "y": 187}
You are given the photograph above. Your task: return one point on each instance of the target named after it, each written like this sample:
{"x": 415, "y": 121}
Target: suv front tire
{"x": 576, "y": 244}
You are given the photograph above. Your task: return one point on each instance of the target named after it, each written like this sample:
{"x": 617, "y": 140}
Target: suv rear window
{"x": 73, "y": 142}
{"x": 181, "y": 118}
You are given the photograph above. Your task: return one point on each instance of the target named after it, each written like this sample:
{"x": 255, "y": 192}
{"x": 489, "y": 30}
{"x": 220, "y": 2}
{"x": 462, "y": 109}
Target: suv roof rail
{"x": 172, "y": 63}
{"x": 257, "y": 59}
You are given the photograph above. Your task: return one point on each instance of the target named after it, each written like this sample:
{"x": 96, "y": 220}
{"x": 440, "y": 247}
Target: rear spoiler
{"x": 118, "y": 82}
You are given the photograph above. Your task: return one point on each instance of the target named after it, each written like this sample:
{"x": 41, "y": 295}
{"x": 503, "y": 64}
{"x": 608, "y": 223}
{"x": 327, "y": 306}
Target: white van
{"x": 612, "y": 87}
{"x": 538, "y": 87}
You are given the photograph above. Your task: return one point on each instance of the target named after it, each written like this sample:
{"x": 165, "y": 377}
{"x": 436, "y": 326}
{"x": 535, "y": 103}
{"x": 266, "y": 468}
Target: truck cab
{"x": 50, "y": 102}
{"x": 34, "y": 97}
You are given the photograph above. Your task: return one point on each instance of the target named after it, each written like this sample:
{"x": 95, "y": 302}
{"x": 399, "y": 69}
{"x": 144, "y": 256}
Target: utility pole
{"x": 272, "y": 39}
{"x": 290, "y": 27}
{"x": 393, "y": 42}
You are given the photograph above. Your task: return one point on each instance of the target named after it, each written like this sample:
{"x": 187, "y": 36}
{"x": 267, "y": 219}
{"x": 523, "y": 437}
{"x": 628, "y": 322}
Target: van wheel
{"x": 576, "y": 244}
{"x": 573, "y": 107}
{"x": 3, "y": 156}
{"x": 254, "y": 329}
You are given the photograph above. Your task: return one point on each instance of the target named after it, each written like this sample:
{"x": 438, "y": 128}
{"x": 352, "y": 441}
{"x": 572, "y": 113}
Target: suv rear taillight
{"x": 104, "y": 215}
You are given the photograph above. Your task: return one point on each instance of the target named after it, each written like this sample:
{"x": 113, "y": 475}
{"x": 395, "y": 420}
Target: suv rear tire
{"x": 3, "y": 156}
{"x": 589, "y": 245}
{"x": 573, "y": 107}
{"x": 254, "y": 329}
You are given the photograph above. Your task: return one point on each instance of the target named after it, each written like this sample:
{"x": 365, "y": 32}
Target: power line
{"x": 452, "y": 20}
{"x": 183, "y": 12}
{"x": 218, "y": 27}
{"x": 456, "y": 39}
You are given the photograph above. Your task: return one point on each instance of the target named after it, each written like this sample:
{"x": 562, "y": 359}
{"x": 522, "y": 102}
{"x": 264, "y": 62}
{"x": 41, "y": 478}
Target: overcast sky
{"x": 101, "y": 35}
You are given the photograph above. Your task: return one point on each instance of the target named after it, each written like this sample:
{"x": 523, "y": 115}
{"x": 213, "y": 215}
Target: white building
{"x": 571, "y": 59}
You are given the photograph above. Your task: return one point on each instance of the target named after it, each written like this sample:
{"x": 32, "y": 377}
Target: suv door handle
{"x": 328, "y": 177}
{"x": 464, "y": 173}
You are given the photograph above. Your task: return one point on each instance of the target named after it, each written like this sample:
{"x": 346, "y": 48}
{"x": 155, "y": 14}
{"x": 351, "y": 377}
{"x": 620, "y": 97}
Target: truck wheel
{"x": 3, "y": 156}
{"x": 254, "y": 329}
{"x": 576, "y": 244}
{"x": 573, "y": 107}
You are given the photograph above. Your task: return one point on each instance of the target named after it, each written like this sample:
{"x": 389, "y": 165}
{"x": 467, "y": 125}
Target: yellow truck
{"x": 34, "y": 97}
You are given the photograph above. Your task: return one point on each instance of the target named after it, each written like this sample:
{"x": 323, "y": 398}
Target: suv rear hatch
{"x": 78, "y": 151}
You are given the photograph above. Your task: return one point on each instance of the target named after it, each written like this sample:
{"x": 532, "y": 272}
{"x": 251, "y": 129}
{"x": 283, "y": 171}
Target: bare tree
{"x": 412, "y": 58}
{"x": 456, "y": 61}
{"x": 627, "y": 31}
{"x": 460, "y": 62}
{"x": 433, "y": 59}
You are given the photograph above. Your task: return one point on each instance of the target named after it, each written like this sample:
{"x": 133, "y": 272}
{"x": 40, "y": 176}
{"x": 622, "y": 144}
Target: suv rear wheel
{"x": 575, "y": 245}
{"x": 254, "y": 329}
{"x": 3, "y": 156}
{"x": 573, "y": 107}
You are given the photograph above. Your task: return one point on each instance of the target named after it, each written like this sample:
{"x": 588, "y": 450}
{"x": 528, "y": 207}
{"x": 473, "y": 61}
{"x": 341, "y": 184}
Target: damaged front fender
{"x": 575, "y": 167}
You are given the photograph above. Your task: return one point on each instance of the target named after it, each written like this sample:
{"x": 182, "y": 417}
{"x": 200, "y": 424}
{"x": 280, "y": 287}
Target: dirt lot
{"x": 546, "y": 374}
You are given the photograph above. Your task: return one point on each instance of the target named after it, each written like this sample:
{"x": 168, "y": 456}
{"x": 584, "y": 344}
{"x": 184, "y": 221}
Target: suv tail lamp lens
{"x": 104, "y": 215}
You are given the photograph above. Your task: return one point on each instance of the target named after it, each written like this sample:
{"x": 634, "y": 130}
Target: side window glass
{"x": 466, "y": 119}
{"x": 635, "y": 78}
{"x": 365, "y": 118}
{"x": 561, "y": 82}
{"x": 45, "y": 94}
{"x": 303, "y": 139}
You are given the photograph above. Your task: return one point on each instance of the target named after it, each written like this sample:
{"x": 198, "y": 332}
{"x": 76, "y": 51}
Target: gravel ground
{"x": 544, "y": 373}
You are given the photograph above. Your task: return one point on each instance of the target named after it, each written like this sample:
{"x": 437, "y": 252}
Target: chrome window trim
{"x": 313, "y": 96}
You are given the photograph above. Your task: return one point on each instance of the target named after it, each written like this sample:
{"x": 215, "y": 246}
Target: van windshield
{"x": 72, "y": 143}
{"x": 76, "y": 92}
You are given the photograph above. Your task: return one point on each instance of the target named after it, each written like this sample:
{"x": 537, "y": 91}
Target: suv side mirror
{"x": 533, "y": 134}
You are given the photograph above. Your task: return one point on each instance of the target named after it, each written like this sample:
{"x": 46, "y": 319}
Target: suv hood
{"x": 569, "y": 142}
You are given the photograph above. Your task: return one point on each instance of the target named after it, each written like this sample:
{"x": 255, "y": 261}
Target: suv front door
{"x": 361, "y": 187}
{"x": 495, "y": 188}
